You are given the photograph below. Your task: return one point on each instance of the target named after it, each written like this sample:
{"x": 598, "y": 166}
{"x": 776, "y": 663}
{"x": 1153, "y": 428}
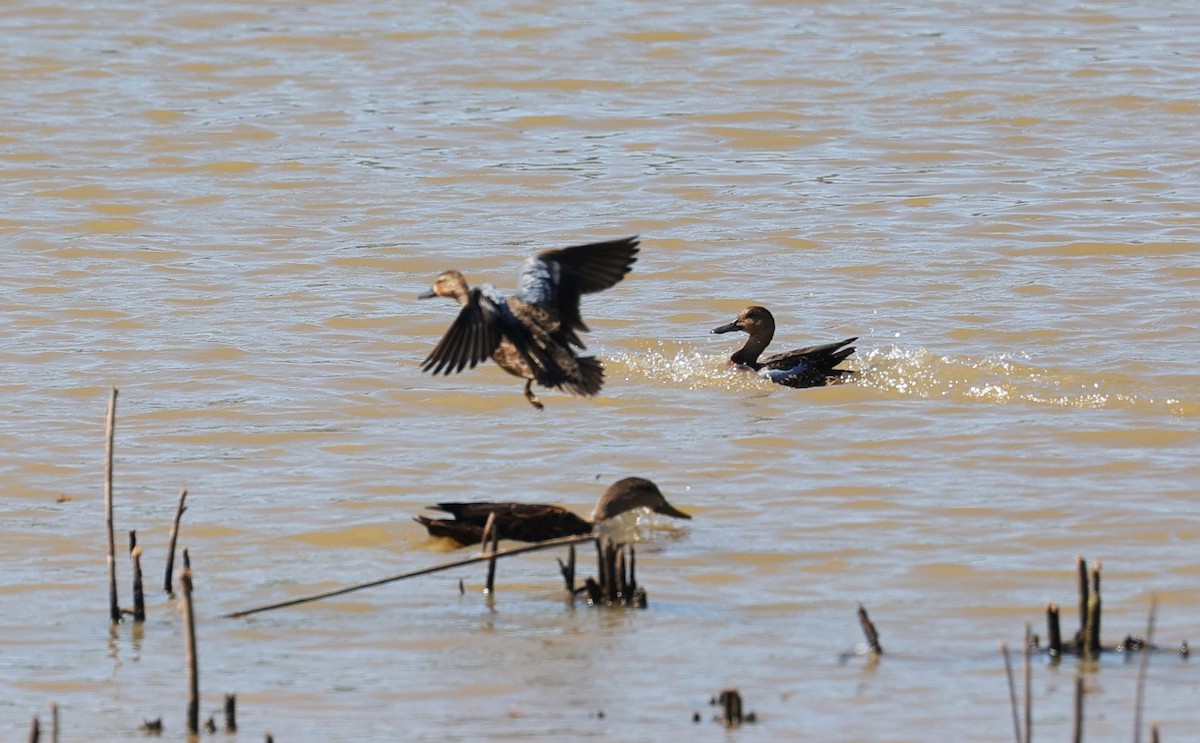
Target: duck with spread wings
{"x": 533, "y": 333}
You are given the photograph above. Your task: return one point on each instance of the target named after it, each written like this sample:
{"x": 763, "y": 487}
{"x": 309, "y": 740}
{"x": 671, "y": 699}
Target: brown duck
{"x": 804, "y": 367}
{"x": 533, "y": 333}
{"x": 537, "y": 522}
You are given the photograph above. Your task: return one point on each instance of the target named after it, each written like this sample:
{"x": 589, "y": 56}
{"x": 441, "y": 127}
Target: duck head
{"x": 759, "y": 324}
{"x": 449, "y": 284}
{"x": 631, "y": 493}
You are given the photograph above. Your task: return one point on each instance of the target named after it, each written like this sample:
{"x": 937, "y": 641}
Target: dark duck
{"x": 534, "y": 333}
{"x": 805, "y": 367}
{"x": 537, "y": 522}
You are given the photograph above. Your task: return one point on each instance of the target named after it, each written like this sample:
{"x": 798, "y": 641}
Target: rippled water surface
{"x": 227, "y": 209}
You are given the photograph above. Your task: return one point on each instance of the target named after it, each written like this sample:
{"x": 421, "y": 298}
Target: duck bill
{"x": 668, "y": 510}
{"x": 727, "y": 328}
{"x": 429, "y": 294}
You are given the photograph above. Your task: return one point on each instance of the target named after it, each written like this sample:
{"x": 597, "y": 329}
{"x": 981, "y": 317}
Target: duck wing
{"x": 472, "y": 337}
{"x": 808, "y": 367}
{"x": 524, "y": 522}
{"x": 556, "y": 279}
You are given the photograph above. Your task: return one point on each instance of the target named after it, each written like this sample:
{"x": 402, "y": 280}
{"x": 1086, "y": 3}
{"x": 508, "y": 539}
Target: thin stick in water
{"x": 169, "y": 578}
{"x": 548, "y": 544}
{"x": 34, "y": 731}
{"x": 53, "y": 723}
{"x": 1093, "y": 620}
{"x": 231, "y": 713}
{"x": 189, "y": 625}
{"x": 1139, "y": 702}
{"x": 1012, "y": 692}
{"x": 491, "y": 541}
{"x": 568, "y": 571}
{"x": 1028, "y": 683}
{"x": 139, "y": 598}
{"x": 1053, "y": 630}
{"x": 868, "y": 628}
{"x": 1077, "y": 728}
{"x": 1084, "y": 592}
{"x": 114, "y": 608}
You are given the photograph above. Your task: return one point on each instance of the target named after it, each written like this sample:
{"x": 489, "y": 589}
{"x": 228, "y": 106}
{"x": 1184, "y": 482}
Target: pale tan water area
{"x": 227, "y": 210}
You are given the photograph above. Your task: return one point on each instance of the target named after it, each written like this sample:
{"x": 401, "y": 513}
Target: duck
{"x": 537, "y": 522}
{"x": 532, "y": 334}
{"x": 813, "y": 366}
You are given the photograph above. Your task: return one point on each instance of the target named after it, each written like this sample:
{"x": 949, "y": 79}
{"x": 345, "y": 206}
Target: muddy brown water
{"x": 227, "y": 209}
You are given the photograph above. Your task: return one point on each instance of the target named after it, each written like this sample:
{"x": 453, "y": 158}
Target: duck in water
{"x": 804, "y": 367}
{"x": 533, "y": 333}
{"x": 537, "y": 522}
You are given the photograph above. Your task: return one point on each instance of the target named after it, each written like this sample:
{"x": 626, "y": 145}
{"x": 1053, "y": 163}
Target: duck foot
{"x": 532, "y": 398}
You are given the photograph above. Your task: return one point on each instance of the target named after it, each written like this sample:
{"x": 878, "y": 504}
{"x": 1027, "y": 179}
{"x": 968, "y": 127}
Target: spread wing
{"x": 473, "y": 336}
{"x": 556, "y": 279}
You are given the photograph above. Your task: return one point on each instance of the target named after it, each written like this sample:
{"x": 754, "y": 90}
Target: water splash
{"x": 684, "y": 366}
{"x": 1007, "y": 378}
{"x": 1000, "y": 379}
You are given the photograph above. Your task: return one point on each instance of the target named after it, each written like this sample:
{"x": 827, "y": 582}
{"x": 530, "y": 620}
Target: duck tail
{"x": 589, "y": 379}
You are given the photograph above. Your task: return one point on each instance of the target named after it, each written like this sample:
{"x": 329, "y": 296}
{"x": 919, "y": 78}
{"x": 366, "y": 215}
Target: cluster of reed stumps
{"x": 1085, "y": 644}
{"x": 118, "y": 614}
{"x": 616, "y": 584}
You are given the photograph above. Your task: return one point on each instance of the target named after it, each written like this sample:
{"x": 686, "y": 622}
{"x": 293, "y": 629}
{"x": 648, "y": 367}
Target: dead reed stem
{"x": 490, "y": 542}
{"x": 868, "y": 628}
{"x": 1077, "y": 728}
{"x": 231, "y": 713}
{"x": 1028, "y": 684}
{"x": 169, "y": 578}
{"x": 35, "y": 732}
{"x": 139, "y": 598}
{"x": 1084, "y": 593}
{"x": 114, "y": 608}
{"x": 193, "y": 671}
{"x": 1092, "y": 636}
{"x": 548, "y": 544}
{"x": 1053, "y": 630}
{"x": 1012, "y": 691}
{"x": 568, "y": 571}
{"x": 53, "y": 723}
{"x": 1139, "y": 702}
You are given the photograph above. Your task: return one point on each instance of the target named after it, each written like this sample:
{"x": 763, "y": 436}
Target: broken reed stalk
{"x": 169, "y": 579}
{"x": 731, "y": 707}
{"x": 537, "y": 547}
{"x": 868, "y": 628}
{"x": 1092, "y": 636}
{"x": 187, "y": 561}
{"x": 189, "y": 625}
{"x": 1077, "y": 728}
{"x": 53, "y": 723}
{"x": 139, "y": 598}
{"x": 490, "y": 543}
{"x": 568, "y": 571}
{"x": 633, "y": 586}
{"x": 1028, "y": 683}
{"x": 1012, "y": 691}
{"x": 1139, "y": 700}
{"x": 1053, "y": 630}
{"x": 34, "y": 731}
{"x": 114, "y": 608}
{"x": 231, "y": 713}
{"x": 1084, "y": 592}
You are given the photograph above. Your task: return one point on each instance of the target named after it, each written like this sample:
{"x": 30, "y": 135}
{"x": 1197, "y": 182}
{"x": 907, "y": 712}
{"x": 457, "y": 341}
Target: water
{"x": 227, "y": 209}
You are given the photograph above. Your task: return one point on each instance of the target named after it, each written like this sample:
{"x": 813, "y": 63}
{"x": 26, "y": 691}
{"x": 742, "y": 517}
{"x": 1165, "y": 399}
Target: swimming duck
{"x": 537, "y": 522}
{"x": 804, "y": 367}
{"x": 531, "y": 333}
